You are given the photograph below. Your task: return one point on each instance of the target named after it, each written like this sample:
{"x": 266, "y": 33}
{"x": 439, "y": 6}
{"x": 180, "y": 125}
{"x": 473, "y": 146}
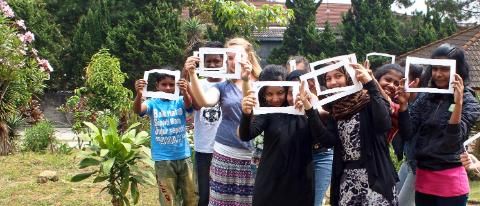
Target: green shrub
{"x": 119, "y": 158}
{"x": 39, "y": 137}
{"x": 64, "y": 149}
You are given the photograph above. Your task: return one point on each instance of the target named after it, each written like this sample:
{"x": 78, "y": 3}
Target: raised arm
{"x": 377, "y": 103}
{"x": 320, "y": 134}
{"x": 184, "y": 87}
{"x": 203, "y": 99}
{"x": 250, "y": 126}
{"x": 138, "y": 106}
{"x": 465, "y": 112}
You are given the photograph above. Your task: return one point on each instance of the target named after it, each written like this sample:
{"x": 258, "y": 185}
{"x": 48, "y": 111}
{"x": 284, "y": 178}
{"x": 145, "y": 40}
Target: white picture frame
{"x": 221, "y": 72}
{"x": 268, "y": 110}
{"x": 351, "y": 58}
{"x": 338, "y": 92}
{"x": 432, "y": 62}
{"x": 383, "y": 55}
{"x": 158, "y": 94}
{"x": 471, "y": 140}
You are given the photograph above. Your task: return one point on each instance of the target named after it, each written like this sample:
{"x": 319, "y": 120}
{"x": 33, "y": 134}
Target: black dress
{"x": 284, "y": 175}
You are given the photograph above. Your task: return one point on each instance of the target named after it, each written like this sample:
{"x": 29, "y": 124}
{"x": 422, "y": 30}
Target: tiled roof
{"x": 272, "y": 34}
{"x": 469, "y": 39}
{"x": 331, "y": 12}
{"x": 472, "y": 48}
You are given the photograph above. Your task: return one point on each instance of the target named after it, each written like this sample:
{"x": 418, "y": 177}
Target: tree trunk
{"x": 117, "y": 201}
{"x": 5, "y": 144}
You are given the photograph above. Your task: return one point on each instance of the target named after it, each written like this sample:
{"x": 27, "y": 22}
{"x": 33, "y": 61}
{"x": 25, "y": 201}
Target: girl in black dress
{"x": 284, "y": 175}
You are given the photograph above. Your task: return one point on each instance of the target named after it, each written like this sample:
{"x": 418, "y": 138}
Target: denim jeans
{"x": 174, "y": 176}
{"x": 322, "y": 164}
{"x": 202, "y": 167}
{"x": 406, "y": 185}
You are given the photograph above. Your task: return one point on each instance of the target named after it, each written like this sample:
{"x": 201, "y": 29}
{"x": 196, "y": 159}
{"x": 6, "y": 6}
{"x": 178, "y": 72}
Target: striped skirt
{"x": 231, "y": 181}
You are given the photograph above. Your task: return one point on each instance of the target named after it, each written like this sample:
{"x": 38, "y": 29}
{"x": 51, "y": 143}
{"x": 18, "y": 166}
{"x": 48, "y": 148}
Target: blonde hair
{"x": 252, "y": 56}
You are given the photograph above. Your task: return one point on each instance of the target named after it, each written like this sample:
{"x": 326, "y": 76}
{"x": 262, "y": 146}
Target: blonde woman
{"x": 231, "y": 173}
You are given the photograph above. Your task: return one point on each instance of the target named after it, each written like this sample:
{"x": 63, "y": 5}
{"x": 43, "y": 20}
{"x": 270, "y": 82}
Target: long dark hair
{"x": 271, "y": 72}
{"x": 451, "y": 52}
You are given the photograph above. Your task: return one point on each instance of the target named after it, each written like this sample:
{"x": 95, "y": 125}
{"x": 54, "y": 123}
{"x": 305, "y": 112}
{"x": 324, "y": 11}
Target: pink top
{"x": 444, "y": 183}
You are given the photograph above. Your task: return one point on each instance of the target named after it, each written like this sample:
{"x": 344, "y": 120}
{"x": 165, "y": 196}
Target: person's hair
{"x": 295, "y": 75}
{"x": 252, "y": 56}
{"x": 214, "y": 44}
{"x": 415, "y": 71}
{"x": 456, "y": 53}
{"x": 301, "y": 59}
{"x": 160, "y": 77}
{"x": 271, "y": 72}
{"x": 386, "y": 68}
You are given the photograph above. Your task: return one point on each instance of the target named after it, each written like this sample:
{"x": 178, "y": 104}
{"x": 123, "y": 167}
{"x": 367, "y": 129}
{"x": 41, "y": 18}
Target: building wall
{"x": 265, "y": 48}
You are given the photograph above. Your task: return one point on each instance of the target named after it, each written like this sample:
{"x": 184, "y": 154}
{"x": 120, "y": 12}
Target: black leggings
{"x": 422, "y": 199}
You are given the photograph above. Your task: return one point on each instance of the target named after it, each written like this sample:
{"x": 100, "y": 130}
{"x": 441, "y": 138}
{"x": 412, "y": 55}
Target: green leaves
{"x": 107, "y": 166}
{"x": 117, "y": 157}
{"x": 82, "y": 176}
{"x": 87, "y": 162}
{"x": 239, "y": 18}
{"x": 134, "y": 191}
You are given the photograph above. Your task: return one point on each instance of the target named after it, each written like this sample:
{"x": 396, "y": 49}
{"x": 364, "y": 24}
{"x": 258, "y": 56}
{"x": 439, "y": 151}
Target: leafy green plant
{"x": 64, "y": 149}
{"x": 20, "y": 78}
{"x": 39, "y": 137}
{"x": 116, "y": 157}
{"x": 103, "y": 93}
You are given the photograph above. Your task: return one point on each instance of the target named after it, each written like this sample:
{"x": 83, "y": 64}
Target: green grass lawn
{"x": 475, "y": 191}
{"x": 18, "y": 186}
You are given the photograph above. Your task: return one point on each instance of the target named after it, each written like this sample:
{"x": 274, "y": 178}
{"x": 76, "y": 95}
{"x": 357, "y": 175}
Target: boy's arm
{"x": 138, "y": 106}
{"x": 187, "y": 99}
{"x": 184, "y": 87}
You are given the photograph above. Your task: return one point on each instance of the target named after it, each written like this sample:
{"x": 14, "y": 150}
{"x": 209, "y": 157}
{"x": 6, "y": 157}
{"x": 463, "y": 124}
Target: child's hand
{"x": 191, "y": 64}
{"x": 246, "y": 70}
{"x": 362, "y": 74}
{"x": 139, "y": 85}
{"x": 183, "y": 86}
{"x": 458, "y": 89}
{"x": 303, "y": 98}
{"x": 248, "y": 103}
{"x": 465, "y": 159}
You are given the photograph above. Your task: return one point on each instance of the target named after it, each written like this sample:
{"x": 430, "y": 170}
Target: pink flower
{"x": 34, "y": 52}
{"x": 21, "y": 24}
{"x": 6, "y": 9}
{"x": 45, "y": 65}
{"x": 29, "y": 37}
{"x": 26, "y": 38}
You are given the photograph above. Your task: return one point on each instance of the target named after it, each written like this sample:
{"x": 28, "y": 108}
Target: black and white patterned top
{"x": 354, "y": 187}
{"x": 349, "y": 133}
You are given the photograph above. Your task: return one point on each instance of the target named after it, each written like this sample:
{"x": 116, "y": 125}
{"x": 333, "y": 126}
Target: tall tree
{"x": 302, "y": 36}
{"x": 154, "y": 37}
{"x": 88, "y": 38}
{"x": 369, "y": 26}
